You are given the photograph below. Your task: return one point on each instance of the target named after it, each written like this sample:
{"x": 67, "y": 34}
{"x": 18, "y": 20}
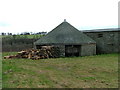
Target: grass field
{"x": 100, "y": 71}
{"x": 21, "y": 36}
{"x": 0, "y": 70}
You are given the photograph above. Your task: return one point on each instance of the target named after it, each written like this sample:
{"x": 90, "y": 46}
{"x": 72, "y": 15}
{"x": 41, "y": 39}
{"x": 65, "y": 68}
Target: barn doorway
{"x": 72, "y": 50}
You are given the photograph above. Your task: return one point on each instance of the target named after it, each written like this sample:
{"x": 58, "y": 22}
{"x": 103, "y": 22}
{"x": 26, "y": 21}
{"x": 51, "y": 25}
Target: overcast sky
{"x": 43, "y": 15}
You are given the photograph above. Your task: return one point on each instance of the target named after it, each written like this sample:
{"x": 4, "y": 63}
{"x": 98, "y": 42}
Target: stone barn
{"x": 69, "y": 40}
{"x": 107, "y": 40}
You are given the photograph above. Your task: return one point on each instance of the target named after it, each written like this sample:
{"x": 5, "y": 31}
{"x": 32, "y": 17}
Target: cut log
{"x": 35, "y": 54}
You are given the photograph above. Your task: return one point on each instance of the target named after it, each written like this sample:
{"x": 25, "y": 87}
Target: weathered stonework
{"x": 106, "y": 41}
{"x": 84, "y": 50}
{"x": 88, "y": 50}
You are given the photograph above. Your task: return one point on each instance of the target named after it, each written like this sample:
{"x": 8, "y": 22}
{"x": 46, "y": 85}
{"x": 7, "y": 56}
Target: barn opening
{"x": 72, "y": 50}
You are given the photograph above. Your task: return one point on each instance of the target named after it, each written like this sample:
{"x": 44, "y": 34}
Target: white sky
{"x": 43, "y": 15}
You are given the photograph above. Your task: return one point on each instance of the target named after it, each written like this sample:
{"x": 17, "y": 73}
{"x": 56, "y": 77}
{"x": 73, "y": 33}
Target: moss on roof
{"x": 64, "y": 33}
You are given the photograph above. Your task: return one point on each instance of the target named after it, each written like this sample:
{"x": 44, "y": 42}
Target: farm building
{"x": 106, "y": 39}
{"x": 69, "y": 40}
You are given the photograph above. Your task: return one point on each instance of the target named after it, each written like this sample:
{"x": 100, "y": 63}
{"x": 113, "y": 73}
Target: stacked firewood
{"x": 35, "y": 54}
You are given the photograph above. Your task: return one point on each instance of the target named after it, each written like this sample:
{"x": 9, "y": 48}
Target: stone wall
{"x": 85, "y": 50}
{"x": 106, "y": 42}
{"x": 88, "y": 49}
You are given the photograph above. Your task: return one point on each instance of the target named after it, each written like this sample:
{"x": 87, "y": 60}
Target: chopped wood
{"x": 35, "y": 54}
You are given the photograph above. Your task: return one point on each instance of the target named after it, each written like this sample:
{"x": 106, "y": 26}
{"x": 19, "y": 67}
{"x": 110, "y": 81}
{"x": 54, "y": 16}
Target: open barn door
{"x": 72, "y": 50}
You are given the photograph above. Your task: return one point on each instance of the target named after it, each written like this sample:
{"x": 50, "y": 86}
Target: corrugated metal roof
{"x": 64, "y": 33}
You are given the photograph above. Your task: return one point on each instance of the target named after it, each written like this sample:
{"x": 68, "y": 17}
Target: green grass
{"x": 22, "y": 36}
{"x": 0, "y": 70}
{"x": 100, "y": 71}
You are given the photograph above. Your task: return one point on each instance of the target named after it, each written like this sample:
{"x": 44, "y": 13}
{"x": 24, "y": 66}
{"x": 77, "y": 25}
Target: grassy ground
{"x": 0, "y": 70}
{"x": 100, "y": 71}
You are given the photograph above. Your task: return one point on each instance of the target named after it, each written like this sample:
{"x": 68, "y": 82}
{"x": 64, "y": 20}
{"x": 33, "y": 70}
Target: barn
{"x": 107, "y": 40}
{"x": 69, "y": 40}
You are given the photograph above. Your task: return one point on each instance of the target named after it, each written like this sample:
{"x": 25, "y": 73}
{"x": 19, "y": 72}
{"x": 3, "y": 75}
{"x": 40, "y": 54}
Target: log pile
{"x": 35, "y": 54}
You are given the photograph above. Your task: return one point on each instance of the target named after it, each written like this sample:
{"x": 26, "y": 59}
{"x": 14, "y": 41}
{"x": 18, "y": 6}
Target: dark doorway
{"x": 38, "y": 46}
{"x": 72, "y": 50}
